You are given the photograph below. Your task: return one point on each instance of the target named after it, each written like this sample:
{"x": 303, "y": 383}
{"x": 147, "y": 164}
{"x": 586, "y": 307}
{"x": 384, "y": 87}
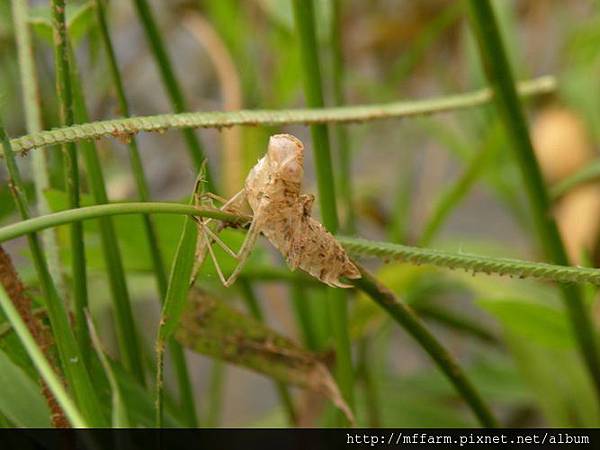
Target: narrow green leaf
{"x": 40, "y": 362}
{"x": 125, "y": 325}
{"x": 79, "y": 19}
{"x": 167, "y": 73}
{"x": 134, "y": 155}
{"x": 33, "y": 119}
{"x": 75, "y": 371}
{"x": 70, "y": 164}
{"x": 186, "y": 392}
{"x": 119, "y": 411}
{"x": 21, "y": 400}
{"x": 179, "y": 280}
{"x": 81, "y": 22}
{"x": 175, "y": 301}
{"x": 139, "y": 401}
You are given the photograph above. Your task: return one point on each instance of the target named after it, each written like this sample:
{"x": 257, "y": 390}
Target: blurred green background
{"x": 446, "y": 181}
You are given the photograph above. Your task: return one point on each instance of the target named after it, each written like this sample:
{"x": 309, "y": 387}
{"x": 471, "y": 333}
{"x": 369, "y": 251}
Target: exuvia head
{"x": 286, "y": 154}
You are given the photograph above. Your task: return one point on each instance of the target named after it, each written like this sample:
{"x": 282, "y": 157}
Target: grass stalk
{"x": 69, "y": 352}
{"x": 41, "y": 363}
{"x": 408, "y": 320}
{"x": 176, "y": 352}
{"x": 472, "y": 263}
{"x": 71, "y": 169}
{"x": 68, "y": 216}
{"x": 125, "y": 325}
{"x": 343, "y": 144}
{"x": 500, "y": 78}
{"x": 137, "y": 168}
{"x": 385, "y": 250}
{"x": 33, "y": 121}
{"x": 311, "y": 116}
{"x": 172, "y": 86}
{"x": 304, "y": 19}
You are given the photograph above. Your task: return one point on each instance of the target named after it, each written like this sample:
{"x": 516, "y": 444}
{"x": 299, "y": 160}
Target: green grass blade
{"x": 40, "y": 362}
{"x": 33, "y": 121}
{"x": 141, "y": 180}
{"x": 500, "y": 78}
{"x": 176, "y": 352}
{"x": 305, "y": 25}
{"x": 21, "y": 399}
{"x": 71, "y": 167}
{"x": 125, "y": 325}
{"x": 120, "y": 417}
{"x": 179, "y": 280}
{"x": 170, "y": 81}
{"x": 337, "y": 303}
{"x": 70, "y": 354}
{"x": 343, "y": 144}
{"x": 175, "y": 301}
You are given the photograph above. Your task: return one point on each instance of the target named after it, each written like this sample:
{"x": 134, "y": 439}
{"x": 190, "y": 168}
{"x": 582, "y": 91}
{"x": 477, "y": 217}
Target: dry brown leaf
{"x": 213, "y": 329}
